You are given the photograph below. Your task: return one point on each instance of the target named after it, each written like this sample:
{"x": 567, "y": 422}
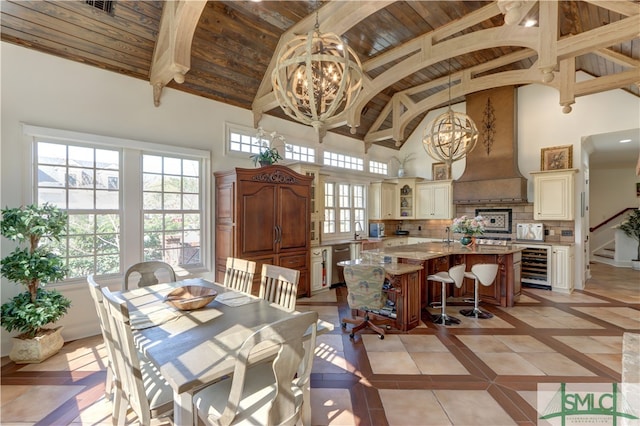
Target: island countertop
{"x": 390, "y": 268}
{"x": 426, "y": 251}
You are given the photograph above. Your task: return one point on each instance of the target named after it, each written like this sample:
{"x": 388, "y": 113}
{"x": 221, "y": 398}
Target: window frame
{"x": 130, "y": 187}
{"x": 336, "y": 181}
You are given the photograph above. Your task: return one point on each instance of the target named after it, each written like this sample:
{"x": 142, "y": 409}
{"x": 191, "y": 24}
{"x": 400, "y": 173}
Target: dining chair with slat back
{"x": 105, "y": 328}
{"x": 239, "y": 274}
{"x": 139, "y": 384}
{"x": 265, "y": 393}
{"x": 279, "y": 285}
{"x": 149, "y": 272}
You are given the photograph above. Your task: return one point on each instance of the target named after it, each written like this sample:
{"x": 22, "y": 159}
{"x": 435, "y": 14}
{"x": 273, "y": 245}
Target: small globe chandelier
{"x": 316, "y": 77}
{"x": 451, "y": 135}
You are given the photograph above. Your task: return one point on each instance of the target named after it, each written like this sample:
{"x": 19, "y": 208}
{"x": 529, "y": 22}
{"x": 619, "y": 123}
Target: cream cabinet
{"x": 554, "y": 194}
{"x": 317, "y": 198}
{"x": 320, "y": 268}
{"x": 405, "y": 198}
{"x": 434, "y": 200}
{"x": 382, "y": 196}
{"x": 562, "y": 259}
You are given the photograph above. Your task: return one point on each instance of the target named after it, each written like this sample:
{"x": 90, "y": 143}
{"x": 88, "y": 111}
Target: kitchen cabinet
{"x": 382, "y": 196}
{"x": 562, "y": 258}
{"x": 320, "y": 268}
{"x": 317, "y": 199}
{"x": 263, "y": 215}
{"x": 434, "y": 200}
{"x": 405, "y": 198}
{"x": 554, "y": 194}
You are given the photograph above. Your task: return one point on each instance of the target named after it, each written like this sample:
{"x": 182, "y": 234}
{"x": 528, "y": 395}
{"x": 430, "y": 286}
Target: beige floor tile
{"x": 530, "y": 396}
{"x": 10, "y": 392}
{"x": 510, "y": 364}
{"x": 412, "y": 407}
{"x": 98, "y": 413}
{"x": 325, "y": 313}
{"x": 626, "y": 318}
{"x": 329, "y": 355}
{"x": 612, "y": 361}
{"x": 390, "y": 343}
{"x": 555, "y": 364}
{"x": 437, "y": 363}
{"x": 593, "y": 344}
{"x": 422, "y": 343}
{"x": 521, "y": 343}
{"x": 48, "y": 399}
{"x": 480, "y": 344}
{"x": 331, "y": 407}
{"x": 467, "y": 407}
{"x": 493, "y": 322}
{"x": 401, "y": 363}
{"x": 575, "y": 297}
{"x": 526, "y": 299}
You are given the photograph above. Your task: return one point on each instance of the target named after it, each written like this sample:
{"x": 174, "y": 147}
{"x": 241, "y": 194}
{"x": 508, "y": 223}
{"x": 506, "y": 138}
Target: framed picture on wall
{"x": 556, "y": 157}
{"x": 440, "y": 171}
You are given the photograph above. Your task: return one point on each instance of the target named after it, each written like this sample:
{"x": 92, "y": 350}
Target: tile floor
{"x": 481, "y": 372}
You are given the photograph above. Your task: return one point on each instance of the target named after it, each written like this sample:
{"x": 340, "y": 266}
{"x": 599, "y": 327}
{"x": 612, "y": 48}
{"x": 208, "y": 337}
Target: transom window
{"x": 378, "y": 167}
{"x": 343, "y": 161}
{"x": 299, "y": 153}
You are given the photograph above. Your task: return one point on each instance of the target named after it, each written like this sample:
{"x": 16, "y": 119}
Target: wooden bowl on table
{"x": 191, "y": 297}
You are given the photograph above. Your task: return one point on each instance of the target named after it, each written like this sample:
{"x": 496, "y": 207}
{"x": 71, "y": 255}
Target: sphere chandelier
{"x": 316, "y": 77}
{"x": 451, "y": 135}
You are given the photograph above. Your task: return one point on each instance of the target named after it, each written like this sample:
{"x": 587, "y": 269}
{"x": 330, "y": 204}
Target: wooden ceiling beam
{"x": 626, "y": 8}
{"x": 550, "y": 51}
{"x": 618, "y": 58}
{"x": 172, "y": 52}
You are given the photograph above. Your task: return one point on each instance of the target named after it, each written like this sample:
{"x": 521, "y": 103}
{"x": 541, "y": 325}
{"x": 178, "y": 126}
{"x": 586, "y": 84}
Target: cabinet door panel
{"x": 258, "y": 218}
{"x": 294, "y": 214}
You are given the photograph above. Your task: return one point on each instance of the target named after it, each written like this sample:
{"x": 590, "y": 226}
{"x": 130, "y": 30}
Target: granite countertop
{"x": 390, "y": 268}
{"x": 425, "y": 251}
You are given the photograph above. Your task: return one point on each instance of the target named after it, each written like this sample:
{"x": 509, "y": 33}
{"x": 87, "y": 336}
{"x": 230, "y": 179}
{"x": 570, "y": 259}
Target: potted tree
{"x": 33, "y": 265}
{"x": 631, "y": 228}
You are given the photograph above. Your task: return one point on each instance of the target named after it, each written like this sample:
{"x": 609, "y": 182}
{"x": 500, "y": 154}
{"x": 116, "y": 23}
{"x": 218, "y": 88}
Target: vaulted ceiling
{"x": 415, "y": 54}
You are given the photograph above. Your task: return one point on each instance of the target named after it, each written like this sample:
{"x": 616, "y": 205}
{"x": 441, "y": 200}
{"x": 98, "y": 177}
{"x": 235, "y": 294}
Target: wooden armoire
{"x": 264, "y": 215}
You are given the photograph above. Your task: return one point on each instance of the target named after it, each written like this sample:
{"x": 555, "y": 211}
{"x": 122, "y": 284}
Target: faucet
{"x": 355, "y": 234}
{"x": 448, "y": 231}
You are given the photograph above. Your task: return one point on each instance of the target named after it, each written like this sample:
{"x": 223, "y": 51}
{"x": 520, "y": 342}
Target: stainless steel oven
{"x": 536, "y": 265}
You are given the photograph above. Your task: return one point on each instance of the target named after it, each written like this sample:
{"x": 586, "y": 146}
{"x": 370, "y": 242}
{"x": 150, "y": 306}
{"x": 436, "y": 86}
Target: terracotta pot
{"x": 36, "y": 350}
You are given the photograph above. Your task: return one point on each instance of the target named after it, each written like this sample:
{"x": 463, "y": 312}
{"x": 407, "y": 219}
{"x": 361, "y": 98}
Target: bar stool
{"x": 485, "y": 273}
{"x": 455, "y": 275}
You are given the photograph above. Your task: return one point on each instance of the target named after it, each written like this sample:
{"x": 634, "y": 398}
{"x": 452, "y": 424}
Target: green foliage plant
{"x": 631, "y": 228}
{"x": 33, "y": 266}
{"x": 266, "y": 156}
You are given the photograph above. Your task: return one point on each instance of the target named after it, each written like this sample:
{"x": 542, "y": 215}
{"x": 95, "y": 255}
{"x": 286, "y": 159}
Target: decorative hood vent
{"x": 491, "y": 174}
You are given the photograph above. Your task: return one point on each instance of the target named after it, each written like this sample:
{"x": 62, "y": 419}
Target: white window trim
{"x": 132, "y": 190}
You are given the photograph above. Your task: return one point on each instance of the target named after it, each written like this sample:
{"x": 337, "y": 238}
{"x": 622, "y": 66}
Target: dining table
{"x": 193, "y": 349}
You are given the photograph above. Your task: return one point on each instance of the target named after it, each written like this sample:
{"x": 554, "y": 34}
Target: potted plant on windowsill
{"x": 33, "y": 266}
{"x": 631, "y": 228}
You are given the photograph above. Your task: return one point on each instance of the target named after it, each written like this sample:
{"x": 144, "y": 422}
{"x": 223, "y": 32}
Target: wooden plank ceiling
{"x": 409, "y": 49}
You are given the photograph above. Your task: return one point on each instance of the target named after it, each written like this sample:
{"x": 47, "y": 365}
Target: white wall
{"x": 615, "y": 190}
{"x": 44, "y": 90}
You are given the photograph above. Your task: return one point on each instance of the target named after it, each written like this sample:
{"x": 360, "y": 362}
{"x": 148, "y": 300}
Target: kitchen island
{"x": 436, "y": 257}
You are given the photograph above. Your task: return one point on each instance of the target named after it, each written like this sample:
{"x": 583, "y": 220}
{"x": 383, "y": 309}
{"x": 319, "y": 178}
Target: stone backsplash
{"x": 520, "y": 213}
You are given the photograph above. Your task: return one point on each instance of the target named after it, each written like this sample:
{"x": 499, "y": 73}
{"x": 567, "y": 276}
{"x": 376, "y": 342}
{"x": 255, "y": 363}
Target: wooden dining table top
{"x": 195, "y": 348}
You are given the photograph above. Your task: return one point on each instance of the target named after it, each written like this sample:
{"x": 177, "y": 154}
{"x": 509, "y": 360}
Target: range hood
{"x": 491, "y": 174}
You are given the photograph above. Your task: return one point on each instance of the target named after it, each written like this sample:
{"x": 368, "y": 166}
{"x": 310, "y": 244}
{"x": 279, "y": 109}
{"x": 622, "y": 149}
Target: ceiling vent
{"x": 105, "y": 6}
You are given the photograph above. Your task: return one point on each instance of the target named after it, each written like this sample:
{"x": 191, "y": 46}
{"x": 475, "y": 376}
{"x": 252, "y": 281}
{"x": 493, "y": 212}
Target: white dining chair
{"x": 273, "y": 392}
{"x": 279, "y": 285}
{"x": 150, "y": 273}
{"x": 107, "y": 336}
{"x": 138, "y": 385}
{"x": 239, "y": 274}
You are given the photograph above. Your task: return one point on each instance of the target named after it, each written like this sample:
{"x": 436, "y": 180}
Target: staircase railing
{"x": 611, "y": 218}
